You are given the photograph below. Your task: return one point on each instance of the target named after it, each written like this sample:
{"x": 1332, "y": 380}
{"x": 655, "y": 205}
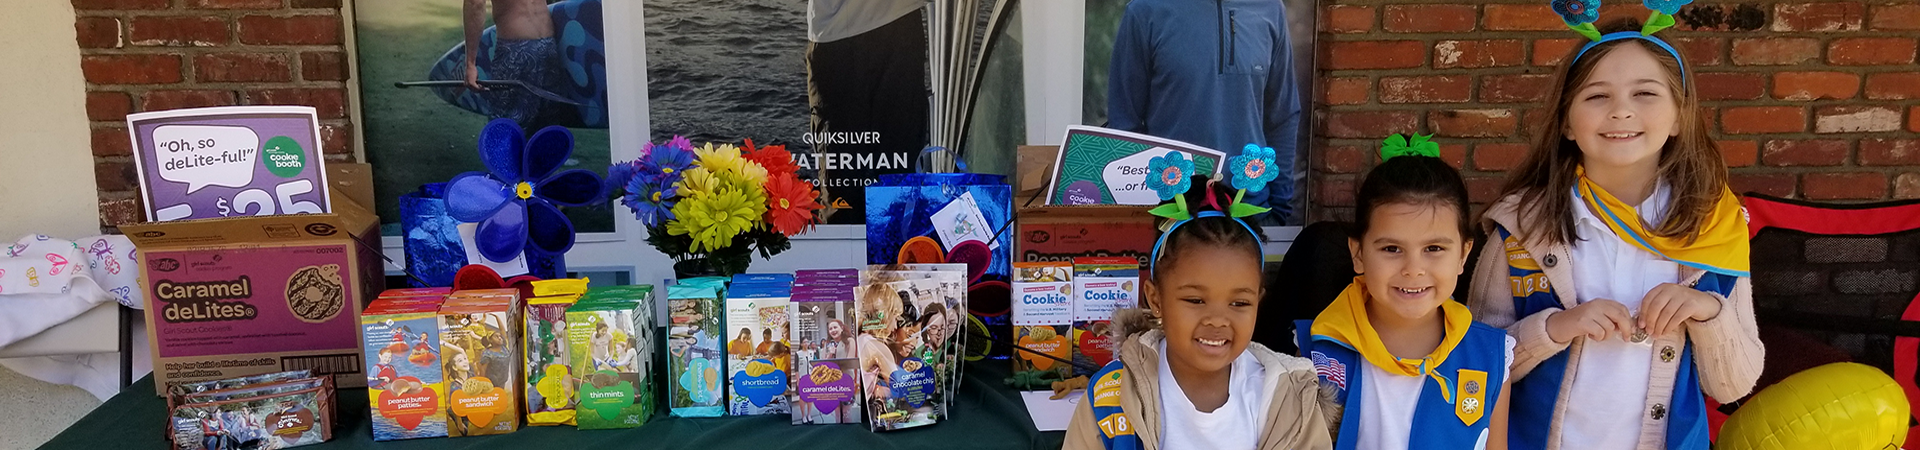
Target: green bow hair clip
{"x": 1420, "y": 145}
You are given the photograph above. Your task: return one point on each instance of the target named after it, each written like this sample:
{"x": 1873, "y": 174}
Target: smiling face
{"x": 1207, "y": 305}
{"x": 1625, "y": 111}
{"x": 1412, "y": 255}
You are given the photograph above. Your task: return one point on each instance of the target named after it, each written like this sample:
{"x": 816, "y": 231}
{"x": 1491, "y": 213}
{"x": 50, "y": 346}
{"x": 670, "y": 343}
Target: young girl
{"x": 1622, "y": 266}
{"x": 1409, "y": 365}
{"x": 1195, "y": 379}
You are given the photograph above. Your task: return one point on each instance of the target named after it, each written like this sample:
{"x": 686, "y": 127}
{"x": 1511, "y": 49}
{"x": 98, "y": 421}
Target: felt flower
{"x": 790, "y": 204}
{"x": 713, "y": 220}
{"x": 774, "y": 158}
{"x": 1169, "y": 175}
{"x": 650, "y": 199}
{"x": 1253, "y": 169}
{"x": 515, "y": 200}
{"x": 1576, "y": 12}
{"x": 697, "y": 381}
{"x": 1668, "y": 7}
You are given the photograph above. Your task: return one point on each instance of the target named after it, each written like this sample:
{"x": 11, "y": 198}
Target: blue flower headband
{"x": 1170, "y": 176}
{"x": 1580, "y": 15}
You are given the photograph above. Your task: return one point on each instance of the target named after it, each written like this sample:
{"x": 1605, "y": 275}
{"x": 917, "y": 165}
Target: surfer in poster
{"x": 867, "y": 91}
{"x": 523, "y": 49}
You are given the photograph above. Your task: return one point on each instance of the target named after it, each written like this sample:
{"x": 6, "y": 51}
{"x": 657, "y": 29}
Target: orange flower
{"x": 773, "y": 157}
{"x": 790, "y": 204}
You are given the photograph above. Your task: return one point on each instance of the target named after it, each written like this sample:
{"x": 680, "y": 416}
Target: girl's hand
{"x": 1595, "y": 319}
{"x": 1668, "y": 307}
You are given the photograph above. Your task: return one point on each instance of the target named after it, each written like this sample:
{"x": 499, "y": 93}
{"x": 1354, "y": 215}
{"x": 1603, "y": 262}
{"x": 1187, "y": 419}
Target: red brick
{"x": 1804, "y": 153}
{"x": 1893, "y": 86}
{"x": 1345, "y": 159}
{"x": 1763, "y": 119}
{"x": 1430, "y": 18}
{"x": 119, "y": 4}
{"x": 1803, "y": 86}
{"x": 328, "y": 103}
{"x": 323, "y": 66}
{"x": 1349, "y": 19}
{"x": 1832, "y": 16}
{"x": 1845, "y": 186}
{"x": 1775, "y": 51}
{"x": 1499, "y": 157}
{"x": 1729, "y": 85}
{"x": 1515, "y": 88}
{"x": 1738, "y": 153}
{"x": 108, "y": 106}
{"x": 320, "y": 4}
{"x": 131, "y": 69}
{"x": 1370, "y": 124}
{"x": 336, "y": 138}
{"x": 1335, "y": 192}
{"x": 1347, "y": 90}
{"x": 1774, "y": 184}
{"x": 1549, "y": 52}
{"x": 1483, "y": 189}
{"x": 1721, "y": 17}
{"x": 321, "y": 29}
{"x": 1889, "y": 152}
{"x": 1871, "y": 51}
{"x": 235, "y": 4}
{"x": 165, "y": 100}
{"x": 1913, "y": 119}
{"x": 1903, "y": 17}
{"x": 242, "y": 67}
{"x": 1376, "y": 55}
{"x": 1702, "y": 51}
{"x": 178, "y": 31}
{"x": 1522, "y": 17}
{"x": 113, "y": 175}
{"x": 97, "y": 32}
{"x": 112, "y": 141}
{"x": 119, "y": 212}
{"x": 1907, "y": 186}
{"x": 1856, "y": 119}
{"x": 1477, "y": 54}
{"x": 1455, "y": 155}
{"x": 1441, "y": 89}
{"x": 1473, "y": 123}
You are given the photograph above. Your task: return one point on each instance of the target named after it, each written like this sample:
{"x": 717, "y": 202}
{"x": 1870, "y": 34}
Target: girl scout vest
{"x": 1116, "y": 429}
{"x": 1453, "y": 416}
{"x": 1530, "y": 416}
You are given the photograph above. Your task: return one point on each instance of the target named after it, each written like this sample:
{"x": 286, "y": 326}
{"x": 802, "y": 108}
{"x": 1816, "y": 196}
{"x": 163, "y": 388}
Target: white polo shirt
{"x": 1608, "y": 398}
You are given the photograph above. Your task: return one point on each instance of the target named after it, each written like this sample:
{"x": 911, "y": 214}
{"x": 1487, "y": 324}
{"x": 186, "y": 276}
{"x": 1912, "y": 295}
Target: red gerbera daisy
{"x": 790, "y": 204}
{"x": 773, "y": 157}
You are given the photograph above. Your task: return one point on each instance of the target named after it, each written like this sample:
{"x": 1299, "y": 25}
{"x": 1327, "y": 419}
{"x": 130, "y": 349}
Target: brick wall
{"x": 1819, "y": 101}
{"x": 149, "y": 55}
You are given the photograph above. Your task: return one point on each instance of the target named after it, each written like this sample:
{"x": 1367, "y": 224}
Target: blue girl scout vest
{"x": 1103, "y": 394}
{"x": 1530, "y": 413}
{"x": 1453, "y": 416}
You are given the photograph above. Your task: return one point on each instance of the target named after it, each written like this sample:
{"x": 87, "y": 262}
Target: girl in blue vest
{"x": 1407, "y": 366}
{"x": 1620, "y": 264}
{"x": 1186, "y": 373}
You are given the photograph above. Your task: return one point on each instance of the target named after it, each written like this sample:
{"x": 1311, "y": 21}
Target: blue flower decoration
{"x": 1576, "y": 12}
{"x": 666, "y": 162}
{"x": 1253, "y": 169}
{"x": 651, "y": 198}
{"x": 619, "y": 174}
{"x": 516, "y": 202}
{"x": 1668, "y": 7}
{"x": 1170, "y": 175}
{"x": 694, "y": 380}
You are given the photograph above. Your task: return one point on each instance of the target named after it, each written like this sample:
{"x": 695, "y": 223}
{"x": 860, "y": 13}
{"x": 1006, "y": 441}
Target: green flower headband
{"x": 1580, "y": 15}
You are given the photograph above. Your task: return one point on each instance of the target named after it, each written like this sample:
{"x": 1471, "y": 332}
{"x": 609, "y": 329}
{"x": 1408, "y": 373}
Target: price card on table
{"x": 229, "y": 161}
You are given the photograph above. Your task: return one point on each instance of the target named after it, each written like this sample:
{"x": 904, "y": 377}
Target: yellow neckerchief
{"x": 1345, "y": 320}
{"x": 1721, "y": 248}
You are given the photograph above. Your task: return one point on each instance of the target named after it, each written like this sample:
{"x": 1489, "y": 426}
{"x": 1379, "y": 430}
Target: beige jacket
{"x": 1726, "y": 348}
{"x": 1294, "y": 420}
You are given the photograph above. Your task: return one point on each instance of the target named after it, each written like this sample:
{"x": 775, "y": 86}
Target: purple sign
{"x": 229, "y": 161}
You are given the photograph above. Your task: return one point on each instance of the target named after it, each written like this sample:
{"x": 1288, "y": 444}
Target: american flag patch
{"x": 1330, "y": 370}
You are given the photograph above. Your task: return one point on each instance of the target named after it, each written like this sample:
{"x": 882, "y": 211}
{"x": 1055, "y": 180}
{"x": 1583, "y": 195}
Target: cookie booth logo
{"x": 200, "y": 301}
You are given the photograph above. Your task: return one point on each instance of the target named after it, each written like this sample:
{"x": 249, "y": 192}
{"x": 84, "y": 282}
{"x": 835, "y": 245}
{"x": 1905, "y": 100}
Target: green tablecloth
{"x": 988, "y": 415}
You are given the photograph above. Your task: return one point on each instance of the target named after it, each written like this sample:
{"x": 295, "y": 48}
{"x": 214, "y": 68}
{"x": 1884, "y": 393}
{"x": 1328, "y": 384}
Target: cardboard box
{"x": 826, "y": 372}
{"x": 1032, "y": 170}
{"x": 1061, "y": 233}
{"x": 610, "y": 332}
{"x": 406, "y": 390}
{"x": 695, "y": 353}
{"x": 240, "y": 296}
{"x": 758, "y": 367}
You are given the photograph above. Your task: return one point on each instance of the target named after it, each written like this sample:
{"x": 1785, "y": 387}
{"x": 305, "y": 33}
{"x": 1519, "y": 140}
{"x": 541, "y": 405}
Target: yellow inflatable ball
{"x": 1837, "y": 406}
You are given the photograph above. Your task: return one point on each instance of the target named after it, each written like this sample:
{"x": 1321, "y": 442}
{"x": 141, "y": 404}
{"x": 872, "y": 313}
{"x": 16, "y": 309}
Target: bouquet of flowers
{"x": 717, "y": 203}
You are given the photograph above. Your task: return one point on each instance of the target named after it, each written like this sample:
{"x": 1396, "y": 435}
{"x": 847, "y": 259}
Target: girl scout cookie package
{"x": 479, "y": 347}
{"x": 1042, "y": 320}
{"x": 902, "y": 386}
{"x": 406, "y": 391}
{"x": 940, "y": 299}
{"x": 278, "y": 410}
{"x": 1101, "y": 285}
{"x": 759, "y": 356}
{"x": 826, "y": 380}
{"x": 610, "y": 337}
{"x": 548, "y": 388}
{"x": 695, "y": 358}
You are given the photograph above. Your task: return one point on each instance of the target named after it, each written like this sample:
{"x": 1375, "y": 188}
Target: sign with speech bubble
{"x": 229, "y": 161}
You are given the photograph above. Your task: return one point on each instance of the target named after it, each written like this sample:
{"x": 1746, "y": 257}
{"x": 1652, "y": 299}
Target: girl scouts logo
{"x": 1473, "y": 396}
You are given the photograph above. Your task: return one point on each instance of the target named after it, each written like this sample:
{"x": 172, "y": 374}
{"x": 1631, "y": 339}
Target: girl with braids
{"x": 1186, "y": 373}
